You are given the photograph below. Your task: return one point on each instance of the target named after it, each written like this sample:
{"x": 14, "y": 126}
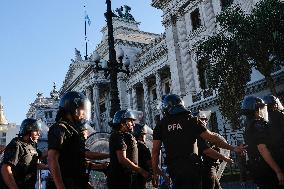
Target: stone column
{"x": 174, "y": 57}
{"x": 89, "y": 96}
{"x": 147, "y": 103}
{"x": 159, "y": 89}
{"x": 130, "y": 100}
{"x": 96, "y": 100}
{"x": 89, "y": 93}
{"x": 134, "y": 98}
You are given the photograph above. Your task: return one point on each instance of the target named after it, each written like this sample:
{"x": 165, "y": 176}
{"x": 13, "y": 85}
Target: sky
{"x": 37, "y": 42}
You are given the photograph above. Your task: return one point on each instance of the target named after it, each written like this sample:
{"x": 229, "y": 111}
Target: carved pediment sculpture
{"x": 126, "y": 15}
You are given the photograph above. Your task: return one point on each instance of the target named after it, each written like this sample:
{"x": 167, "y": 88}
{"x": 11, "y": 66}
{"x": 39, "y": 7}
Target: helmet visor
{"x": 87, "y": 109}
{"x": 42, "y": 129}
{"x": 134, "y": 114}
{"x": 263, "y": 113}
{"x": 279, "y": 105}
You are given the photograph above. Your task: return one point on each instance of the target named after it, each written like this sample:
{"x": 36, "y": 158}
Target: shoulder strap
{"x": 68, "y": 127}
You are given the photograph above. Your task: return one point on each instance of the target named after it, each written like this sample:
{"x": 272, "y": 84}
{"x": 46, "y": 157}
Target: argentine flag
{"x": 87, "y": 19}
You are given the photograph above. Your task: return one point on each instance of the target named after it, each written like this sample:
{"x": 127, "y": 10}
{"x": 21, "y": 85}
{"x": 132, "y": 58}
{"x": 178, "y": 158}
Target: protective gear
{"x": 121, "y": 115}
{"x": 87, "y": 127}
{"x": 71, "y": 101}
{"x": 81, "y": 124}
{"x": 252, "y": 104}
{"x": 139, "y": 130}
{"x": 271, "y": 100}
{"x": 173, "y": 104}
{"x": 29, "y": 125}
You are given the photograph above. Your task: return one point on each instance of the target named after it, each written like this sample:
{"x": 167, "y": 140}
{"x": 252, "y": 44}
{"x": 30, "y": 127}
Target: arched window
{"x": 225, "y": 3}
{"x": 195, "y": 19}
{"x": 213, "y": 123}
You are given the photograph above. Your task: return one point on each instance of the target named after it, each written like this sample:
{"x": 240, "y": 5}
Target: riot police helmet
{"x": 71, "y": 101}
{"x": 29, "y": 125}
{"x": 121, "y": 115}
{"x": 172, "y": 104}
{"x": 253, "y": 104}
{"x": 139, "y": 129}
{"x": 272, "y": 101}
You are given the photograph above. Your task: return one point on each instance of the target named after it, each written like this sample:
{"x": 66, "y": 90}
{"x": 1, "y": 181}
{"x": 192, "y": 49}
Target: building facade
{"x": 159, "y": 64}
{"x": 7, "y": 130}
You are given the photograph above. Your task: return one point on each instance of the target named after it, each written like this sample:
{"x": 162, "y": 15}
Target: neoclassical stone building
{"x": 161, "y": 64}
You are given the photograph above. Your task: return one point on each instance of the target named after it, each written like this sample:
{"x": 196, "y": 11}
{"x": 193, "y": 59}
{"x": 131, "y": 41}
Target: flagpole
{"x": 86, "y": 41}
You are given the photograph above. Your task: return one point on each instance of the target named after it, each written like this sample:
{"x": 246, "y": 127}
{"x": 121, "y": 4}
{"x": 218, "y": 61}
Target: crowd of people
{"x": 191, "y": 151}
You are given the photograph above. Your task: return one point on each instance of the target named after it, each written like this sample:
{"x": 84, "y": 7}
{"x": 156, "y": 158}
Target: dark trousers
{"x": 185, "y": 175}
{"x": 209, "y": 178}
{"x": 141, "y": 182}
{"x": 125, "y": 181}
{"x": 264, "y": 177}
{"x": 69, "y": 183}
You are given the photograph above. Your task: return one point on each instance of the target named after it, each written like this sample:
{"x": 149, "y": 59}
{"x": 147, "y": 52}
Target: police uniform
{"x": 209, "y": 166}
{"x": 144, "y": 156}
{"x": 119, "y": 176}
{"x": 276, "y": 123}
{"x": 22, "y": 157}
{"x": 63, "y": 137}
{"x": 257, "y": 132}
{"x": 178, "y": 133}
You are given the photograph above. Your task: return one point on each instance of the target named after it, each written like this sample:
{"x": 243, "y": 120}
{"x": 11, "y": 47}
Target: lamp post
{"x": 111, "y": 67}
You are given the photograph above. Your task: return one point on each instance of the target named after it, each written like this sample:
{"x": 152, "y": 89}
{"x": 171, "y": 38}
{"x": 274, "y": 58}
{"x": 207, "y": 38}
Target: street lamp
{"x": 111, "y": 67}
{"x": 101, "y": 64}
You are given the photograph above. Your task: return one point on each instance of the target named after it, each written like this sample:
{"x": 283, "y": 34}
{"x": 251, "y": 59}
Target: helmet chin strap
{"x": 32, "y": 141}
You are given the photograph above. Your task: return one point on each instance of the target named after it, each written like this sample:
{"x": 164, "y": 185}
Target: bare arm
{"x": 159, "y": 171}
{"x": 215, "y": 139}
{"x": 53, "y": 156}
{"x": 122, "y": 159}
{"x": 155, "y": 161}
{"x": 216, "y": 155}
{"x": 97, "y": 166}
{"x": 42, "y": 166}
{"x": 8, "y": 177}
{"x": 96, "y": 155}
{"x": 209, "y": 136}
{"x": 265, "y": 153}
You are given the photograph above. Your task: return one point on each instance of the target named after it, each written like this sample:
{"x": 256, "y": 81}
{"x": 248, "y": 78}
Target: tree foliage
{"x": 245, "y": 41}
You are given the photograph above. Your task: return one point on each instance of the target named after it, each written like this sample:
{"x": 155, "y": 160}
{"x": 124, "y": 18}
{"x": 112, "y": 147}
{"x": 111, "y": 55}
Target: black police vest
{"x": 72, "y": 153}
{"x": 179, "y": 137}
{"x": 131, "y": 151}
{"x": 276, "y": 123}
{"x": 251, "y": 136}
{"x": 24, "y": 171}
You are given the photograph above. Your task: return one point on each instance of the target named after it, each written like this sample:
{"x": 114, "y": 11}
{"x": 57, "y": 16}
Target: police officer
{"x": 66, "y": 147}
{"x": 144, "y": 154}
{"x": 266, "y": 172}
{"x": 276, "y": 127}
{"x": 210, "y": 155}
{"x": 178, "y": 131}
{"x": 276, "y": 123}
{"x": 19, "y": 165}
{"x": 123, "y": 153}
